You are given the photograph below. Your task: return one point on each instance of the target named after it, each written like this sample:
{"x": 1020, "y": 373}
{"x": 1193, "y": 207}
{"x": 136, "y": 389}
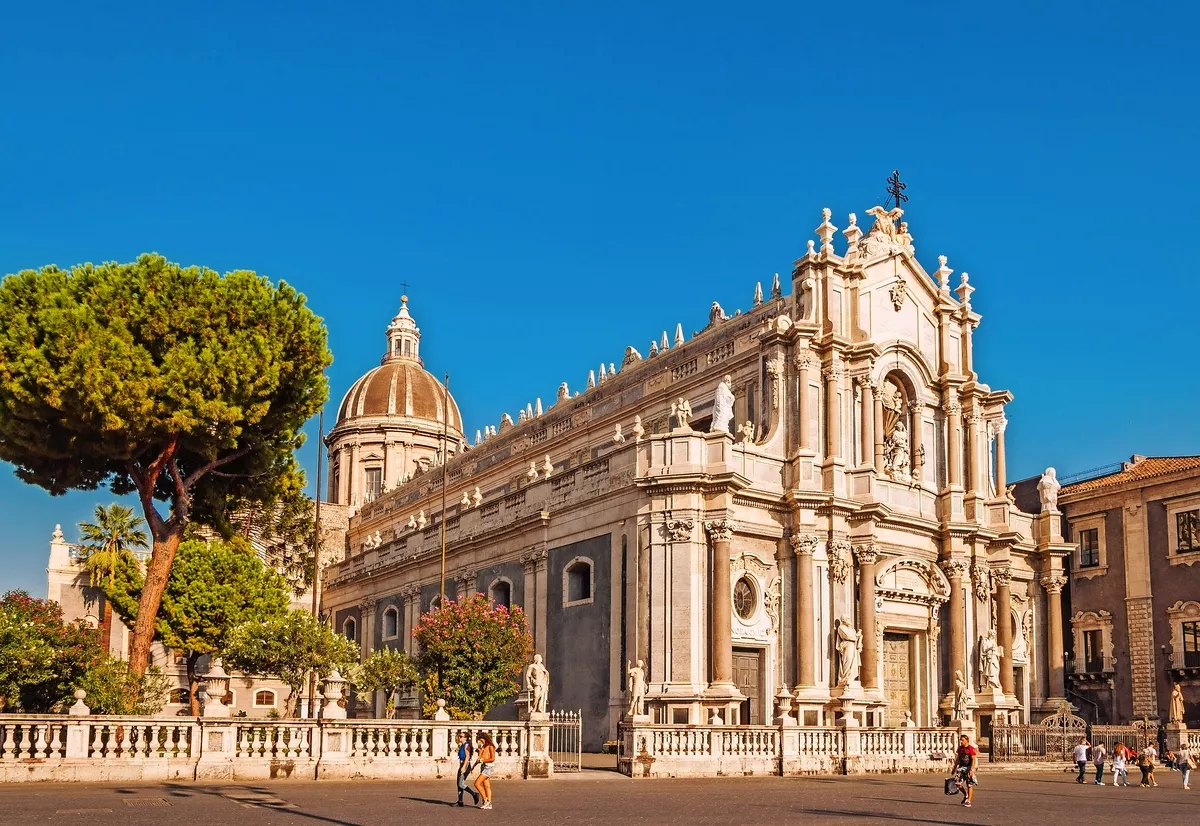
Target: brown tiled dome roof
{"x": 400, "y": 387}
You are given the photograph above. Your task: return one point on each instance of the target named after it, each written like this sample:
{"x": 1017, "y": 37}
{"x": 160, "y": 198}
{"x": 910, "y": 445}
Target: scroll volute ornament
{"x": 721, "y": 530}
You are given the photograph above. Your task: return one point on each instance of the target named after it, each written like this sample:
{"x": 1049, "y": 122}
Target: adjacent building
{"x": 1135, "y": 587}
{"x": 808, "y": 497}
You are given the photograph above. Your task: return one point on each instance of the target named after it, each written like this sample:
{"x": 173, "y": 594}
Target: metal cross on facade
{"x": 896, "y": 189}
{"x": 404, "y": 286}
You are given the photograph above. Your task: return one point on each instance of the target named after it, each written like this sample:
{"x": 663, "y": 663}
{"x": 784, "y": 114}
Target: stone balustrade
{"x": 709, "y": 751}
{"x": 124, "y": 749}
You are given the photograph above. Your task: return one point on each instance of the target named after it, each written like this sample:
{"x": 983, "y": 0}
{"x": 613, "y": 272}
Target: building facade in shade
{"x": 808, "y": 496}
{"x": 1135, "y": 588}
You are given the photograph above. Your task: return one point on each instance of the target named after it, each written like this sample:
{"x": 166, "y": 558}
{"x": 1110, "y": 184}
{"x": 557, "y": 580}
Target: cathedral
{"x": 806, "y": 499}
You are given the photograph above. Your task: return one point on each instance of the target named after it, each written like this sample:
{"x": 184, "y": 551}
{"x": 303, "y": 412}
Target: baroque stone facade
{"x": 859, "y": 493}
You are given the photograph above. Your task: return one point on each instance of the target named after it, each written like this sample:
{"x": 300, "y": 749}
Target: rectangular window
{"x": 374, "y": 483}
{"x": 1187, "y": 531}
{"x": 1089, "y": 548}
{"x": 1093, "y": 660}
{"x": 1191, "y": 645}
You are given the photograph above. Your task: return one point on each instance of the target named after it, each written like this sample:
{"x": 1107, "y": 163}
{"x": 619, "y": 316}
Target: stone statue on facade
{"x": 681, "y": 414}
{"x": 849, "y": 646}
{"x": 716, "y": 314}
{"x": 746, "y": 433}
{"x": 1048, "y": 490}
{"x": 722, "y": 416}
{"x": 896, "y": 450}
{"x": 1175, "y": 713}
{"x": 537, "y": 683}
{"x": 638, "y": 430}
{"x": 962, "y": 697}
{"x": 989, "y": 661}
{"x": 635, "y": 679}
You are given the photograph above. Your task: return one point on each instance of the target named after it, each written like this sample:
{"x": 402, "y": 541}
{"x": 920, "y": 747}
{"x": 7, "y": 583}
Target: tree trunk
{"x": 193, "y": 684}
{"x": 106, "y": 622}
{"x": 166, "y": 543}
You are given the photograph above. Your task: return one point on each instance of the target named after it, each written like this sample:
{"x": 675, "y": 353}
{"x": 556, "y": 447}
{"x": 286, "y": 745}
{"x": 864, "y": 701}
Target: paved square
{"x": 604, "y": 798}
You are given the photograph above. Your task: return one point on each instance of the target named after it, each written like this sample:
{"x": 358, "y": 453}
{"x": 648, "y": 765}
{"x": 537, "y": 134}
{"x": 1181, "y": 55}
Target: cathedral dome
{"x": 400, "y": 386}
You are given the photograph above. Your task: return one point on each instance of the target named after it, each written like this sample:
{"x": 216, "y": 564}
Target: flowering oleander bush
{"x": 42, "y": 658}
{"x": 472, "y": 654}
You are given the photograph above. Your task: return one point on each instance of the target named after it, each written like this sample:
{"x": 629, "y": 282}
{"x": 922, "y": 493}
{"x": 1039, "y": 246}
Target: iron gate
{"x": 1054, "y": 738}
{"x": 566, "y": 740}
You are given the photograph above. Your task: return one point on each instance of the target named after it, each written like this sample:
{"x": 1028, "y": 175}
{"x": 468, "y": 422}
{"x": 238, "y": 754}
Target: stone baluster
{"x": 866, "y": 557}
{"x": 1002, "y": 575}
{"x": 721, "y": 532}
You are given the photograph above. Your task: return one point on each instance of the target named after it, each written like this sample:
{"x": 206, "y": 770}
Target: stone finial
{"x": 603, "y": 373}
{"x": 57, "y": 536}
{"x": 612, "y": 369}
{"x": 591, "y": 379}
{"x": 478, "y": 438}
{"x": 679, "y": 334}
{"x": 943, "y": 275}
{"x": 441, "y": 715}
{"x": 964, "y": 292}
{"x": 665, "y": 345}
{"x": 653, "y": 349}
{"x": 465, "y": 502}
{"x": 522, "y": 417}
{"x": 638, "y": 430}
{"x": 812, "y": 247}
{"x": 853, "y": 235}
{"x": 476, "y": 496}
{"x": 335, "y": 685}
{"x": 422, "y": 521}
{"x": 537, "y": 406}
{"x": 80, "y": 708}
{"x": 547, "y": 467}
{"x": 528, "y": 410}
{"x": 532, "y": 473}
{"x": 776, "y": 288}
{"x": 825, "y": 232}
{"x": 758, "y": 295}
{"x": 716, "y": 718}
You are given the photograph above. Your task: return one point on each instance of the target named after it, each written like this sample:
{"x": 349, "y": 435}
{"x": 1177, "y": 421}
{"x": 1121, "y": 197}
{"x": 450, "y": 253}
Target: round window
{"x": 743, "y": 598}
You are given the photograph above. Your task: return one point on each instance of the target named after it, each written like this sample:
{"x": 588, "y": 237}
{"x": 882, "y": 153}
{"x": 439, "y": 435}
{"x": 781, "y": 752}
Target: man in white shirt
{"x": 1081, "y": 759}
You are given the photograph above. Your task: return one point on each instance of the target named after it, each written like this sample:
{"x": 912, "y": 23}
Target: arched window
{"x": 391, "y": 624}
{"x": 501, "y": 593}
{"x": 178, "y": 697}
{"x": 577, "y": 581}
{"x": 264, "y": 698}
{"x": 350, "y": 630}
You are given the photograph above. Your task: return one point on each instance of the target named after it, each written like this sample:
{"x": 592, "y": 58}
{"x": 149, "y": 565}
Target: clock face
{"x": 744, "y": 601}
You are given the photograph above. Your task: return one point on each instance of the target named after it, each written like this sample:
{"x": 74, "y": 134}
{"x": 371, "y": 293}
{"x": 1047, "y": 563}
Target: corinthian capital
{"x": 955, "y": 568}
{"x": 1002, "y": 575}
{"x": 803, "y": 544}
{"x": 866, "y": 553}
{"x": 1053, "y": 583}
{"x": 952, "y": 408}
{"x": 833, "y": 372}
{"x": 721, "y": 530}
{"x": 803, "y": 359}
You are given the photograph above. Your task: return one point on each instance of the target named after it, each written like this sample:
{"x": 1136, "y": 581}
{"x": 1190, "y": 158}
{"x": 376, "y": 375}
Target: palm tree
{"x": 105, "y": 544}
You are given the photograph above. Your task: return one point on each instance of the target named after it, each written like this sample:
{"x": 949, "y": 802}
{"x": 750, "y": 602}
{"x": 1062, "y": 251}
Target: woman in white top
{"x": 1118, "y": 765}
{"x": 1185, "y": 763}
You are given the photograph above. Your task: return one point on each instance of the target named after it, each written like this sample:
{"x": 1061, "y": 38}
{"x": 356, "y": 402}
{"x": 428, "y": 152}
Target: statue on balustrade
{"x": 989, "y": 661}
{"x": 636, "y": 685}
{"x": 537, "y": 683}
{"x": 722, "y": 416}
{"x": 849, "y": 646}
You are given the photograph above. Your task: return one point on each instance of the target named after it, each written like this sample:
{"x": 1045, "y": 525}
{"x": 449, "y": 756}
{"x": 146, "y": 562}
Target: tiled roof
{"x": 1146, "y": 468}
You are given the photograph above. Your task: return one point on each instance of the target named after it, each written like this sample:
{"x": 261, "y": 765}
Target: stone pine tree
{"x": 179, "y": 384}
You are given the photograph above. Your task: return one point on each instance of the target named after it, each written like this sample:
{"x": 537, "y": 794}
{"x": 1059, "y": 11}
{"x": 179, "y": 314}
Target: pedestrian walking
{"x": 1081, "y": 759}
{"x": 1185, "y": 763}
{"x": 1119, "y": 770}
{"x": 964, "y": 770}
{"x": 487, "y": 760}
{"x": 1146, "y": 764}
{"x": 465, "y": 765}
{"x": 1098, "y": 756}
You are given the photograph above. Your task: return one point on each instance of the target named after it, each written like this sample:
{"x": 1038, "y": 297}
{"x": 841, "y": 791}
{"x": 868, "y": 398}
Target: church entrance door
{"x": 897, "y": 676}
{"x": 747, "y": 676}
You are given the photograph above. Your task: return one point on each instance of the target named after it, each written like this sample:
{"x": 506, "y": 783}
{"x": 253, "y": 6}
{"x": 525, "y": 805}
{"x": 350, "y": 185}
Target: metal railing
{"x": 566, "y": 740}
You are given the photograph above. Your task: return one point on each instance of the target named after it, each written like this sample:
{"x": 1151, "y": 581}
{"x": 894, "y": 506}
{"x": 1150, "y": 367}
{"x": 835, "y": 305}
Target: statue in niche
{"x": 849, "y": 646}
{"x": 635, "y": 681}
{"x": 897, "y": 459}
{"x": 1048, "y": 490}
{"x": 722, "y": 416}
{"x": 537, "y": 683}
{"x": 989, "y": 661}
{"x": 962, "y": 698}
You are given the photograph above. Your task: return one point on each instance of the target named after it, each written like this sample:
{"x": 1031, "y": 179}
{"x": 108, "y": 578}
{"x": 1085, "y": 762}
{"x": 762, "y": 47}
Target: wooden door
{"x": 897, "y": 677}
{"x": 747, "y": 665}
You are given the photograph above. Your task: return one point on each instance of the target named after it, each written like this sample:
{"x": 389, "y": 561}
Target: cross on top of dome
{"x": 404, "y": 337}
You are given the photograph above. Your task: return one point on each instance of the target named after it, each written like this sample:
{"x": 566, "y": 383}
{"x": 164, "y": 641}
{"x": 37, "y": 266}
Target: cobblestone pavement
{"x": 602, "y": 798}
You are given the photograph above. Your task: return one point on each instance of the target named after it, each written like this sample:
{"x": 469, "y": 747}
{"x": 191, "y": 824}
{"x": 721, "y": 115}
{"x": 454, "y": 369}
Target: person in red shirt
{"x": 964, "y": 768}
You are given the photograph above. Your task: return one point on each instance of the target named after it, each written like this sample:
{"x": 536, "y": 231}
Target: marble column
{"x": 643, "y": 598}
{"x": 916, "y": 440}
{"x": 1001, "y": 471}
{"x": 868, "y": 419}
{"x": 954, "y": 443}
{"x": 1054, "y": 634}
{"x": 956, "y": 572}
{"x": 833, "y": 412}
{"x": 803, "y": 360}
{"x": 878, "y": 428}
{"x": 721, "y": 601}
{"x": 367, "y": 621}
{"x": 866, "y": 556}
{"x": 806, "y": 673}
{"x": 1002, "y": 576}
{"x": 974, "y": 471}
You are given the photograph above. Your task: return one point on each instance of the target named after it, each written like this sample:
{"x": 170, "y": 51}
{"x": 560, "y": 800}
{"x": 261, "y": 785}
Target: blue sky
{"x": 556, "y": 181}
